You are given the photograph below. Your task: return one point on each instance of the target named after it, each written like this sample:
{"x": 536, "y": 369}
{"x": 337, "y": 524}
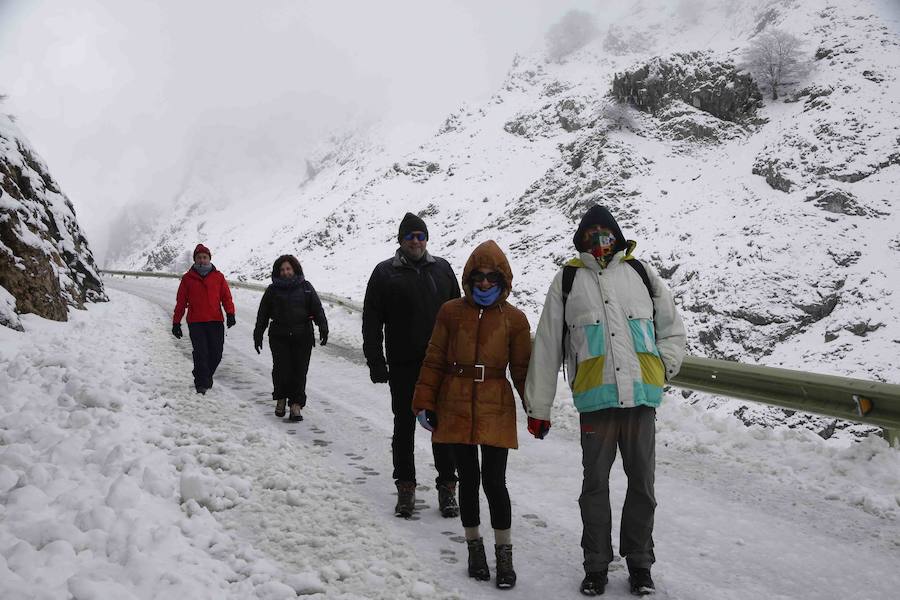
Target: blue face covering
{"x": 203, "y": 270}
{"x": 485, "y": 297}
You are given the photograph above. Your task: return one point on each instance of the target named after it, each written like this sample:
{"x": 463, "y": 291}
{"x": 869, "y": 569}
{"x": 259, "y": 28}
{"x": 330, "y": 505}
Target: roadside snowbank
{"x": 107, "y": 492}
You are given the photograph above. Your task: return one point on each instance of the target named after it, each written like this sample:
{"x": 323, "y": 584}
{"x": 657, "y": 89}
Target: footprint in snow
{"x": 321, "y": 443}
{"x": 459, "y": 539}
{"x": 535, "y": 520}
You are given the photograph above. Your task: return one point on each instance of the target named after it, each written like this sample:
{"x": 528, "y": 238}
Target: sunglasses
{"x": 418, "y": 236}
{"x": 492, "y": 277}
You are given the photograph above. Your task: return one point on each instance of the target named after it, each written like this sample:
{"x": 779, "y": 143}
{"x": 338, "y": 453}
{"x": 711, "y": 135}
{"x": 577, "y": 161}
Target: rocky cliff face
{"x": 46, "y": 265}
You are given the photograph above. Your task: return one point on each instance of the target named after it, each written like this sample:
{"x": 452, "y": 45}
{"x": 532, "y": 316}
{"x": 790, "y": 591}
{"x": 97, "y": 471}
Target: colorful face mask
{"x": 602, "y": 238}
{"x": 602, "y": 244}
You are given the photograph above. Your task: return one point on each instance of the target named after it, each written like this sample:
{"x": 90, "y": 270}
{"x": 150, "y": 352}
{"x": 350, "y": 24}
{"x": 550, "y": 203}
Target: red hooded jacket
{"x": 203, "y": 297}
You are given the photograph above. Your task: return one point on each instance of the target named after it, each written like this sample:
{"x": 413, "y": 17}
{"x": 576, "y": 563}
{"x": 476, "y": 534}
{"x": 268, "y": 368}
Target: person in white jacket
{"x": 614, "y": 322}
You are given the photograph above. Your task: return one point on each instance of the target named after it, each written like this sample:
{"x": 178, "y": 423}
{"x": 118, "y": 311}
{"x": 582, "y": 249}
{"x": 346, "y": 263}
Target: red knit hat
{"x": 201, "y": 249}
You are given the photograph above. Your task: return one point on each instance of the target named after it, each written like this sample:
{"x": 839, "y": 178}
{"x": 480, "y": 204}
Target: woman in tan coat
{"x": 465, "y": 399}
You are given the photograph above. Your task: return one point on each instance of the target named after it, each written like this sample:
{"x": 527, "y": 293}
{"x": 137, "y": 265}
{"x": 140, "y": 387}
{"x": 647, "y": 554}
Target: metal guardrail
{"x": 860, "y": 400}
{"x": 259, "y": 287}
{"x": 869, "y": 402}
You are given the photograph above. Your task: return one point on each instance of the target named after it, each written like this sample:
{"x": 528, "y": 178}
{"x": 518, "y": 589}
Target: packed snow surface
{"x": 117, "y": 481}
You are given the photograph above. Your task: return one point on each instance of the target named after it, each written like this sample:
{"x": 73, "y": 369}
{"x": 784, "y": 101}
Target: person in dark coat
{"x": 401, "y": 304}
{"x": 203, "y": 292}
{"x": 292, "y": 306}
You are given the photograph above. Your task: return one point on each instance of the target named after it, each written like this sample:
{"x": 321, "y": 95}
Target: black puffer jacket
{"x": 401, "y": 304}
{"x": 292, "y": 306}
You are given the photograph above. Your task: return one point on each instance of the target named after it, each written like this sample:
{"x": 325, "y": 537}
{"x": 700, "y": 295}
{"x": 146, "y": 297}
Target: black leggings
{"x": 492, "y": 473}
{"x": 290, "y": 364}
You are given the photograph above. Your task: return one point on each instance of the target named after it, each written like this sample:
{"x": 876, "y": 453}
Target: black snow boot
{"x": 478, "y": 567}
{"x": 506, "y": 576}
{"x": 200, "y": 389}
{"x": 406, "y": 499}
{"x": 447, "y": 500}
{"x": 594, "y": 583}
{"x": 279, "y": 407}
{"x": 641, "y": 583}
{"x": 296, "y": 415}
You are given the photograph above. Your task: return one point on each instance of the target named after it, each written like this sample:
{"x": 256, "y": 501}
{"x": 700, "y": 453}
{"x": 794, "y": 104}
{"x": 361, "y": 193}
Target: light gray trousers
{"x": 633, "y": 431}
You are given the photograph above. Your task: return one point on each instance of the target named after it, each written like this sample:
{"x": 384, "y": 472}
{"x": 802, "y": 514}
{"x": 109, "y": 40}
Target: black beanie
{"x": 411, "y": 223}
{"x": 599, "y": 215}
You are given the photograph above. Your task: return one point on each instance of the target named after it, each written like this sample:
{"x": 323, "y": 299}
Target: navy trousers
{"x": 207, "y": 338}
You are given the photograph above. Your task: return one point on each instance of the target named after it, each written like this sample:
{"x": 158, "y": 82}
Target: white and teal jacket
{"x": 618, "y": 354}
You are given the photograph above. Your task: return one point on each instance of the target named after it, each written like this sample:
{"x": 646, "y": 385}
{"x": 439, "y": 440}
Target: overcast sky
{"x": 120, "y": 96}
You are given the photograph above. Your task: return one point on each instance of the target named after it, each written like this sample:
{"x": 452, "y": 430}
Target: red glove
{"x": 538, "y": 427}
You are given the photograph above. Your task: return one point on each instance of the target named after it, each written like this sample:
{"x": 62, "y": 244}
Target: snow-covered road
{"x": 743, "y": 513}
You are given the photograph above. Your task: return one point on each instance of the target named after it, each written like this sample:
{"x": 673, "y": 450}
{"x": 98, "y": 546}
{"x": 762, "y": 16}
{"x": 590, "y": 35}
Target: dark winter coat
{"x": 292, "y": 306}
{"x": 497, "y": 337}
{"x": 203, "y": 297}
{"x": 402, "y": 301}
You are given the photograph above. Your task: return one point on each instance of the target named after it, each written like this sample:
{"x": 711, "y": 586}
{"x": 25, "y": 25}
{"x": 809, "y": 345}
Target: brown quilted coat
{"x": 498, "y": 337}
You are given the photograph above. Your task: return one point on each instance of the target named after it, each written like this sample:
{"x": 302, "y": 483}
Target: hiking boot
{"x": 406, "y": 499}
{"x": 594, "y": 583}
{"x": 447, "y": 500}
{"x": 641, "y": 583}
{"x": 295, "y": 412}
{"x": 200, "y": 389}
{"x": 279, "y": 407}
{"x": 478, "y": 567}
{"x": 506, "y": 576}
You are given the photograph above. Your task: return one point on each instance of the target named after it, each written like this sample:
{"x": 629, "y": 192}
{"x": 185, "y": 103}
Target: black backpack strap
{"x": 639, "y": 267}
{"x": 642, "y": 271}
{"x": 568, "y": 279}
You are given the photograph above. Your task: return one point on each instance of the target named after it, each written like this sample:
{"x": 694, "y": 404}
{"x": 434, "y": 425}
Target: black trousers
{"x": 290, "y": 364}
{"x": 402, "y": 380}
{"x": 492, "y": 475}
{"x": 207, "y": 339}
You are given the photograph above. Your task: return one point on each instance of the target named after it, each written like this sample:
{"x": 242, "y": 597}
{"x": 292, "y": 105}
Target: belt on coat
{"x": 478, "y": 373}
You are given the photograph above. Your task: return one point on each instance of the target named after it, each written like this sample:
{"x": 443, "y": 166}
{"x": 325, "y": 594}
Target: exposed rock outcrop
{"x": 695, "y": 78}
{"x": 45, "y": 261}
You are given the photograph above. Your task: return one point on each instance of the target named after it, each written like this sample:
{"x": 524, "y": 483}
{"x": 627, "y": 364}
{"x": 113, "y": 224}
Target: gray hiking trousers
{"x": 633, "y": 431}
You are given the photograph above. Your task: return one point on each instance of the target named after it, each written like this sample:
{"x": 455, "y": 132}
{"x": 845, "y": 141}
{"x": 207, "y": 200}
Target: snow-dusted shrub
{"x": 572, "y": 32}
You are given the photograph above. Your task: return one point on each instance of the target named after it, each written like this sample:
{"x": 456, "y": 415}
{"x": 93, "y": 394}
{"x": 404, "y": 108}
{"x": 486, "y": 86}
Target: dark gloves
{"x": 427, "y": 419}
{"x": 229, "y": 319}
{"x": 378, "y": 373}
{"x": 176, "y": 330}
{"x": 257, "y": 342}
{"x": 538, "y": 427}
{"x": 323, "y": 337}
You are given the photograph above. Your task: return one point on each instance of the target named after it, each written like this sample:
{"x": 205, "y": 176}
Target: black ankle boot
{"x": 506, "y": 576}
{"x": 594, "y": 583}
{"x": 478, "y": 567}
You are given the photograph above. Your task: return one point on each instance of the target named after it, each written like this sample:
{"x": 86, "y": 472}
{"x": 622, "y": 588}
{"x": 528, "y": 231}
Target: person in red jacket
{"x": 203, "y": 292}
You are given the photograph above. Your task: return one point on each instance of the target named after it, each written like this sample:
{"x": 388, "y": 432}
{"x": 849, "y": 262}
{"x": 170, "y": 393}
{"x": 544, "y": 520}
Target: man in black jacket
{"x": 402, "y": 301}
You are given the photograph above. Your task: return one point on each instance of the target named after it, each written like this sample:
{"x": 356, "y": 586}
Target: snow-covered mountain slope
{"x": 46, "y": 265}
{"x": 774, "y": 222}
